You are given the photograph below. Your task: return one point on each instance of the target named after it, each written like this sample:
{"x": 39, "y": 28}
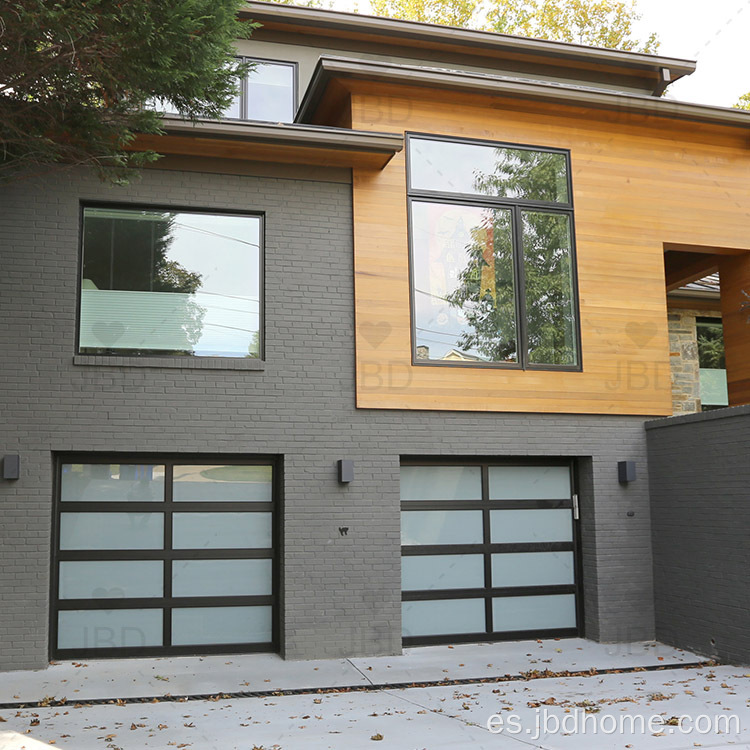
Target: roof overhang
{"x": 343, "y": 69}
{"x": 295, "y": 144}
{"x": 663, "y": 70}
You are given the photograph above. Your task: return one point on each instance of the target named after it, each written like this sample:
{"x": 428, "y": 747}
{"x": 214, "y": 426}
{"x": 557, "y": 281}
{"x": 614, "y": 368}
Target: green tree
{"x": 743, "y": 102}
{"x": 77, "y": 78}
{"x": 596, "y": 23}
{"x": 446, "y": 12}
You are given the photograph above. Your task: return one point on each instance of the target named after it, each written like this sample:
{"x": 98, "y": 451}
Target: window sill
{"x": 181, "y": 363}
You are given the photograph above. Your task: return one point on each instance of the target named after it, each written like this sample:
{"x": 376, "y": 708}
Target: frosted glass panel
{"x": 441, "y": 483}
{"x": 111, "y": 531}
{"x": 534, "y": 612}
{"x": 112, "y": 483}
{"x": 221, "y": 577}
{"x": 442, "y": 572}
{"x": 111, "y": 579}
{"x": 115, "y": 628}
{"x": 222, "y": 484}
{"x": 443, "y": 617}
{"x": 510, "y": 526}
{"x": 204, "y": 625}
{"x": 441, "y": 527}
{"x": 529, "y": 482}
{"x": 221, "y": 530}
{"x": 532, "y": 569}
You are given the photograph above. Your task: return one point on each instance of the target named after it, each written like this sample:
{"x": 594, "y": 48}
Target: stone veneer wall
{"x": 683, "y": 353}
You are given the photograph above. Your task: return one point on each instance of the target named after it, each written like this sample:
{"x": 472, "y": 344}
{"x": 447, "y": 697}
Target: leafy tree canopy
{"x": 743, "y": 102}
{"x": 76, "y": 78}
{"x": 598, "y": 23}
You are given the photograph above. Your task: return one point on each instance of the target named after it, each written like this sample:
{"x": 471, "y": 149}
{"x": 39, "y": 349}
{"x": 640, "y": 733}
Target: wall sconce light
{"x": 626, "y": 471}
{"x": 345, "y": 470}
{"x": 11, "y": 467}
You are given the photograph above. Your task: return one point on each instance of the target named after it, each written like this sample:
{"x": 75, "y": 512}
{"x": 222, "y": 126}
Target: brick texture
{"x": 700, "y": 489}
{"x": 340, "y": 595}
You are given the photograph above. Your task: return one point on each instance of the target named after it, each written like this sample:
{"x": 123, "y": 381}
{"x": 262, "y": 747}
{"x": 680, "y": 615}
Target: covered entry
{"x": 489, "y": 551}
{"x": 163, "y": 556}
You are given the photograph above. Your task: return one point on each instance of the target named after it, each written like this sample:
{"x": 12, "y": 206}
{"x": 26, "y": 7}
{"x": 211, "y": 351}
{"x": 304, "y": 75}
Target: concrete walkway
{"x": 212, "y": 675}
{"x": 542, "y": 710}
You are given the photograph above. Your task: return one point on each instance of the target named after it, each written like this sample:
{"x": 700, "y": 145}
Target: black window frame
{"x": 516, "y": 207}
{"x": 243, "y": 88}
{"x": 128, "y": 354}
{"x": 486, "y": 548}
{"x": 166, "y": 602}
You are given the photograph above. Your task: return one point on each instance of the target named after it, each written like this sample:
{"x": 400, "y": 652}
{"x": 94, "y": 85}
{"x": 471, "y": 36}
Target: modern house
{"x": 366, "y": 363}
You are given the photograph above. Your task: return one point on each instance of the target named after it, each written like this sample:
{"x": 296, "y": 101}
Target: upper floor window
{"x": 167, "y": 282}
{"x": 268, "y": 93}
{"x": 492, "y": 254}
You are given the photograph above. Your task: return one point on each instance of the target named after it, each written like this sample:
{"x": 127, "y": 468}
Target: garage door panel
{"x": 199, "y": 626}
{"x": 221, "y": 577}
{"x": 529, "y": 482}
{"x": 215, "y": 483}
{"x": 221, "y": 530}
{"x": 104, "y": 483}
{"x": 441, "y": 483}
{"x": 497, "y": 559}
{"x": 443, "y": 617}
{"x": 510, "y": 613}
{"x": 111, "y": 531}
{"x": 106, "y": 629}
{"x": 531, "y": 526}
{"x": 163, "y": 557}
{"x": 427, "y": 572}
{"x": 431, "y": 527}
{"x": 111, "y": 579}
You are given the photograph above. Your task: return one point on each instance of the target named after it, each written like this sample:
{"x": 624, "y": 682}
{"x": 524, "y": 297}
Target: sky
{"x": 716, "y": 33}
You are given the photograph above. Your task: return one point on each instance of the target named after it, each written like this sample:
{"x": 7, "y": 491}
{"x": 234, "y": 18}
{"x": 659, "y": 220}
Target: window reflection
{"x": 161, "y": 282}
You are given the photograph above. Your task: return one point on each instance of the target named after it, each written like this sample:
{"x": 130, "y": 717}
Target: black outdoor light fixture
{"x": 626, "y": 471}
{"x": 11, "y": 467}
{"x": 346, "y": 470}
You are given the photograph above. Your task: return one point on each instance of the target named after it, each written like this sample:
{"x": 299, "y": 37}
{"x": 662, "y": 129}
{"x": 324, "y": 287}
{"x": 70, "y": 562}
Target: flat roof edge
{"x": 309, "y": 136}
{"x": 329, "y": 67}
{"x": 450, "y": 35}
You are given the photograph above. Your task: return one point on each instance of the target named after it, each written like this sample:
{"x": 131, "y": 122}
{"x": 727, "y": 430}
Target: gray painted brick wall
{"x": 700, "y": 509}
{"x": 341, "y": 595}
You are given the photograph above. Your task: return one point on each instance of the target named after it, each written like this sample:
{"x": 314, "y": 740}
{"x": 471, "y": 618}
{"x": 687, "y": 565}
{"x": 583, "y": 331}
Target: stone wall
{"x": 683, "y": 353}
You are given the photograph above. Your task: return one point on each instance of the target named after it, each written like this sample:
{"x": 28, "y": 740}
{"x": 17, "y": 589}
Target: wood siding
{"x": 638, "y": 182}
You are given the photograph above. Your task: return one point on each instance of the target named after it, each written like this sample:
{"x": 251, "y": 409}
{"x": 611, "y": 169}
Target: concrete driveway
{"x": 534, "y": 694}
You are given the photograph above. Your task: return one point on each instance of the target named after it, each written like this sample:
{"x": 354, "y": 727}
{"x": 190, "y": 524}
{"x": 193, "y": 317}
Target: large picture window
{"x": 492, "y": 254}
{"x": 161, "y": 282}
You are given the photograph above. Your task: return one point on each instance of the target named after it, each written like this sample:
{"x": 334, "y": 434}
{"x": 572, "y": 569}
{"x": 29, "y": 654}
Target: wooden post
{"x": 734, "y": 275}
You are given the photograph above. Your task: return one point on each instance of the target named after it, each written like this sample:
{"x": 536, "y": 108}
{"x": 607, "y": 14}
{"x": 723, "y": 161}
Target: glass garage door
{"x": 488, "y": 552}
{"x": 160, "y": 557}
